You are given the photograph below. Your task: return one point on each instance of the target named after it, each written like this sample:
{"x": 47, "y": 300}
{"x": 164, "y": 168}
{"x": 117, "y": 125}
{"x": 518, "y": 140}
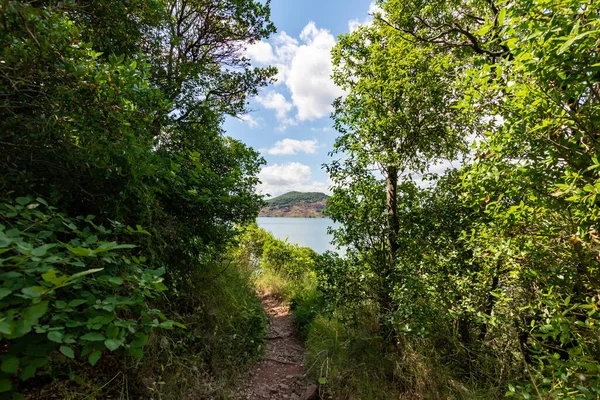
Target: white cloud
{"x": 290, "y": 147}
{"x": 261, "y": 52}
{"x": 276, "y": 101}
{"x": 285, "y": 48}
{"x": 282, "y": 178}
{"x": 309, "y": 78}
{"x": 305, "y": 68}
{"x": 355, "y": 23}
{"x": 249, "y": 120}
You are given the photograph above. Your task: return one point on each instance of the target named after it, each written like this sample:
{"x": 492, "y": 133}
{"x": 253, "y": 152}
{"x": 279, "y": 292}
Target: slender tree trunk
{"x": 491, "y": 300}
{"x": 392, "y": 238}
{"x": 392, "y": 214}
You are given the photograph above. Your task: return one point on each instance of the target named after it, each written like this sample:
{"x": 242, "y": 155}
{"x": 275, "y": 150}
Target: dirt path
{"x": 280, "y": 374}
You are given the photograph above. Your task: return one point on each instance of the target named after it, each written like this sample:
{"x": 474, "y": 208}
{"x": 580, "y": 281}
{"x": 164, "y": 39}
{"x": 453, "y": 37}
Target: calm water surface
{"x": 306, "y": 232}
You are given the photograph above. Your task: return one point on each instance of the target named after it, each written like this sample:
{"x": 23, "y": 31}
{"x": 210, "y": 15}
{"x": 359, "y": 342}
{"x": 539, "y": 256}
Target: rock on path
{"x": 280, "y": 374}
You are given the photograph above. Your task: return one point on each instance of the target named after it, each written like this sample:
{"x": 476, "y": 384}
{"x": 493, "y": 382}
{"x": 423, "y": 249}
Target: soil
{"x": 280, "y": 374}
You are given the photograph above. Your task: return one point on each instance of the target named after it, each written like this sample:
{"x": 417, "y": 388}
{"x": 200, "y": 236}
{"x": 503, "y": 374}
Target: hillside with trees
{"x": 296, "y": 205}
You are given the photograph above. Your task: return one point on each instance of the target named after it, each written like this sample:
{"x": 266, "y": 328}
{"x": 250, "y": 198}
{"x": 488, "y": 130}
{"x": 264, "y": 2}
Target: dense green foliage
{"x": 76, "y": 295}
{"x": 283, "y": 270}
{"x": 127, "y": 266}
{"x": 112, "y": 111}
{"x": 494, "y": 264}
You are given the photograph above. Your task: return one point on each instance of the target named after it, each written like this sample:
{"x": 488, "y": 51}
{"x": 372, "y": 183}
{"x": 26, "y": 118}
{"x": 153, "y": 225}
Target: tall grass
{"x": 225, "y": 332}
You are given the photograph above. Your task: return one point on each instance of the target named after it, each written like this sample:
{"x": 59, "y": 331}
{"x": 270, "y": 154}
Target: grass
{"x": 354, "y": 362}
{"x": 225, "y": 332}
{"x": 272, "y": 284}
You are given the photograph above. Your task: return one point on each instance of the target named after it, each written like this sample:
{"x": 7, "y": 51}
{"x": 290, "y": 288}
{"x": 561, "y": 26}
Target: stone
{"x": 310, "y": 393}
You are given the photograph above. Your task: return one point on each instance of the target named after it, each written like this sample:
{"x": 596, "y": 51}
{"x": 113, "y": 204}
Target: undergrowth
{"x": 346, "y": 352}
{"x": 224, "y": 332}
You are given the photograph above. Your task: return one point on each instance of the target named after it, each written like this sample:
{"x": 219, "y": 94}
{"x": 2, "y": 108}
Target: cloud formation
{"x": 249, "y": 120}
{"x": 261, "y": 52}
{"x": 305, "y": 68}
{"x": 282, "y": 178}
{"x": 291, "y": 147}
{"x": 275, "y": 101}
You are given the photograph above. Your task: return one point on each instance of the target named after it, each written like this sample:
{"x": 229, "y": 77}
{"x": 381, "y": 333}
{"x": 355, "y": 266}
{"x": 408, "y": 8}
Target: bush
{"x": 280, "y": 268}
{"x": 68, "y": 288}
{"x": 306, "y": 305}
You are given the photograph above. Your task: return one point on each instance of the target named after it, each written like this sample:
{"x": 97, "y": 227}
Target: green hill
{"x": 296, "y": 205}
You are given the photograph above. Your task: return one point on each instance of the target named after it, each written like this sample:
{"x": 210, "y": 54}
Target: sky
{"x": 289, "y": 122}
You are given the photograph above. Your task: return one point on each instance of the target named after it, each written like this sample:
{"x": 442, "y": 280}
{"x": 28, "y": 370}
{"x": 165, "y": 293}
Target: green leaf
{"x": 572, "y": 40}
{"x": 33, "y": 291}
{"x": 140, "y": 340}
{"x": 4, "y": 242}
{"x": 42, "y": 250}
{"x": 93, "y": 337}
{"x": 28, "y": 371}
{"x": 322, "y": 380}
{"x": 53, "y": 277}
{"x": 7, "y": 327}
{"x": 94, "y": 357}
{"x": 116, "y": 280}
{"x": 81, "y": 251}
{"x": 12, "y": 232}
{"x": 112, "y": 331}
{"x": 113, "y": 344}
{"x": 4, "y": 292}
{"x": 55, "y": 336}
{"x": 23, "y": 200}
{"x": 136, "y": 352}
{"x": 91, "y": 239}
{"x": 76, "y": 302}
{"x": 67, "y": 351}
{"x": 10, "y": 364}
{"x": 36, "y": 311}
{"x": 5, "y": 385}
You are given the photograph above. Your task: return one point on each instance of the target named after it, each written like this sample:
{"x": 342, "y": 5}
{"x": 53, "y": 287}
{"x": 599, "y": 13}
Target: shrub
{"x": 68, "y": 288}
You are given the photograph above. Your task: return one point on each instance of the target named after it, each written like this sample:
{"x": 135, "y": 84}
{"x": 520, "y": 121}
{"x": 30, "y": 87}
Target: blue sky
{"x": 289, "y": 123}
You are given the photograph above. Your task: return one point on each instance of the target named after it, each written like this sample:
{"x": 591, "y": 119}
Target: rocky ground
{"x": 280, "y": 374}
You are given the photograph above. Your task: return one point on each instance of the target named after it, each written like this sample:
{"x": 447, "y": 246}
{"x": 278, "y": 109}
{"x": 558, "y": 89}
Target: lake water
{"x": 305, "y": 232}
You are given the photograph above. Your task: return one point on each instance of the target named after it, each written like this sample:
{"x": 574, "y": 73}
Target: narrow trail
{"x": 280, "y": 374}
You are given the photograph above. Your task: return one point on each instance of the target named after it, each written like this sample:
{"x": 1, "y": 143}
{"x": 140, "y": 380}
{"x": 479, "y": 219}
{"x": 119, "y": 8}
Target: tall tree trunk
{"x": 392, "y": 214}
{"x": 392, "y": 237}
{"x": 491, "y": 299}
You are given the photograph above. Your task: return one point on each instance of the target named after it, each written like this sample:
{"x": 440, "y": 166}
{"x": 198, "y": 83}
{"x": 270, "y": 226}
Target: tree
{"x": 535, "y": 71}
{"x": 398, "y": 119}
{"x": 113, "y": 110}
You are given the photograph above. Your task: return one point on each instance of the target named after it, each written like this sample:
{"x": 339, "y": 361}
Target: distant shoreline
{"x": 296, "y": 205}
{"x": 296, "y": 216}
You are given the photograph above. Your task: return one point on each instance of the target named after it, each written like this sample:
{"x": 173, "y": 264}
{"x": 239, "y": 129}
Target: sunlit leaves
{"x": 53, "y": 304}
